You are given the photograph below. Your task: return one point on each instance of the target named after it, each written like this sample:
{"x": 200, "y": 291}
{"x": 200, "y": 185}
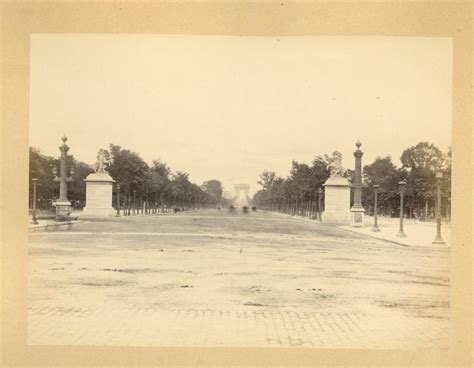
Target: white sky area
{"x": 227, "y": 108}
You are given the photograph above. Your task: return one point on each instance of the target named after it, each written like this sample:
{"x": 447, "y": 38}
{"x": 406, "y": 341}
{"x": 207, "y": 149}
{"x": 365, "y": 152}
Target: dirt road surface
{"x": 211, "y": 278}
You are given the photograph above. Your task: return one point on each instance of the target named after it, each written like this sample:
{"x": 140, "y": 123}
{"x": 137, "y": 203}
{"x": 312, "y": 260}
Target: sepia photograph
{"x": 239, "y": 191}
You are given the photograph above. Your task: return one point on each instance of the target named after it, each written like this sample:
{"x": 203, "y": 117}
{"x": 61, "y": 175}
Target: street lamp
{"x": 401, "y": 233}
{"x": 134, "y": 201}
{"x": 376, "y": 190}
{"x": 438, "y": 239}
{"x": 118, "y": 200}
{"x": 320, "y": 196}
{"x": 35, "y": 182}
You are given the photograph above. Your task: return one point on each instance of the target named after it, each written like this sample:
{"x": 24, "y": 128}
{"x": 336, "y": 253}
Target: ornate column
{"x": 63, "y": 206}
{"x": 357, "y": 211}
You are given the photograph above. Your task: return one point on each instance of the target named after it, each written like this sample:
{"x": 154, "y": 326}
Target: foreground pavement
{"x": 211, "y": 278}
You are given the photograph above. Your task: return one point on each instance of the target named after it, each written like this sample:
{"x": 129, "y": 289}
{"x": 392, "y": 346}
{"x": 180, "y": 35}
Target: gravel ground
{"x": 211, "y": 278}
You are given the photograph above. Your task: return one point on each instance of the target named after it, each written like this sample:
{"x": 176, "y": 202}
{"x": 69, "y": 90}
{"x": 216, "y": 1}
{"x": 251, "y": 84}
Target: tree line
{"x": 298, "y": 193}
{"x": 141, "y": 185}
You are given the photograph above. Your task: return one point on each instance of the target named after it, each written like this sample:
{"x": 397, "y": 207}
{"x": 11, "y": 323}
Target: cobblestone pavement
{"x": 257, "y": 328}
{"x": 214, "y": 279}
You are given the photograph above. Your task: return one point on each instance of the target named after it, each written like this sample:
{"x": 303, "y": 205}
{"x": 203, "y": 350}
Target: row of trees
{"x": 298, "y": 193}
{"x": 145, "y": 185}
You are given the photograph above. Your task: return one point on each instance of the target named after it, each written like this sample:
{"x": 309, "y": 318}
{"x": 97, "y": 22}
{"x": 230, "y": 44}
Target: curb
{"x": 54, "y": 225}
{"x": 354, "y": 232}
{"x": 382, "y": 239}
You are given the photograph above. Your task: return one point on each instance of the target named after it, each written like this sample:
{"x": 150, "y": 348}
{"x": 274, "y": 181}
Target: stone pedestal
{"x": 337, "y": 197}
{"x": 63, "y": 208}
{"x": 357, "y": 217}
{"x": 99, "y": 195}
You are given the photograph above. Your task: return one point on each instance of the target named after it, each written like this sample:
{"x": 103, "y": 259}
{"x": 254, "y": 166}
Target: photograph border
{"x": 411, "y": 19}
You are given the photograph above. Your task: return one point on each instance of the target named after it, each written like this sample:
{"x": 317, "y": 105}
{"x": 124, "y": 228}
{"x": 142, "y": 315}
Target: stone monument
{"x": 99, "y": 189}
{"x": 241, "y": 195}
{"x": 357, "y": 211}
{"x": 337, "y": 195}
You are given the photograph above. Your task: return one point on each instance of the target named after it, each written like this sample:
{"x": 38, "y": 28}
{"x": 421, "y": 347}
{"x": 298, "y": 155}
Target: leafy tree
{"x": 421, "y": 162}
{"x": 385, "y": 174}
{"x": 180, "y": 188}
{"x": 129, "y": 170}
{"x": 423, "y": 156}
{"x": 320, "y": 170}
{"x": 213, "y": 188}
{"x": 41, "y": 168}
{"x": 77, "y": 187}
{"x": 446, "y": 186}
{"x": 266, "y": 179}
{"x": 297, "y": 193}
{"x": 160, "y": 182}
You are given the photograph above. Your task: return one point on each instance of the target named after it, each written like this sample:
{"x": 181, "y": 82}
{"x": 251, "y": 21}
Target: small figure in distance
{"x": 417, "y": 219}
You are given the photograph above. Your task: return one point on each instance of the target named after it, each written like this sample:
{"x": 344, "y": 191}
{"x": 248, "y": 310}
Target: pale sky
{"x": 227, "y": 108}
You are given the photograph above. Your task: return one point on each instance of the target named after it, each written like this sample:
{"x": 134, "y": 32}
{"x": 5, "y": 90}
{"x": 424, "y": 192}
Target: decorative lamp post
{"x": 118, "y": 200}
{"x": 376, "y": 191}
{"x": 401, "y": 233}
{"x": 438, "y": 239}
{"x": 147, "y": 210}
{"x": 134, "y": 201}
{"x": 63, "y": 205}
{"x": 320, "y": 198}
{"x": 35, "y": 182}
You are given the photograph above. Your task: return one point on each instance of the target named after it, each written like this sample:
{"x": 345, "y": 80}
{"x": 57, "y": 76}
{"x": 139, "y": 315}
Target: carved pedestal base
{"x": 99, "y": 195}
{"x": 357, "y": 217}
{"x": 336, "y": 201}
